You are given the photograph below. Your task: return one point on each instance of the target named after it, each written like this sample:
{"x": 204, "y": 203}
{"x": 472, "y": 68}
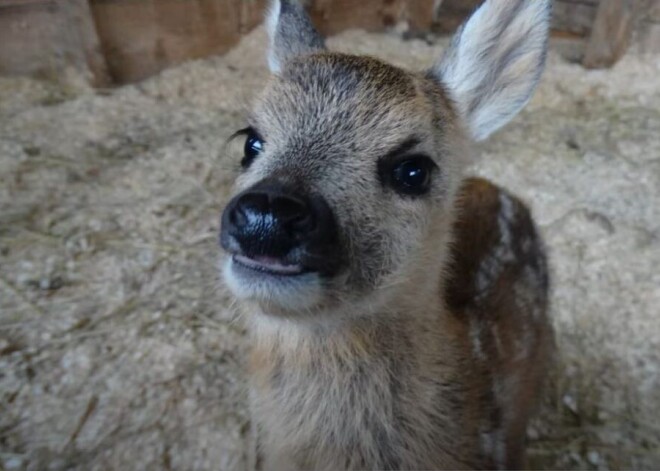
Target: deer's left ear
{"x": 494, "y": 62}
{"x": 291, "y": 33}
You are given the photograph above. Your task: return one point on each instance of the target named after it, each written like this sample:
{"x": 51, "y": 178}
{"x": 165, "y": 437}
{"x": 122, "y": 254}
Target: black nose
{"x": 272, "y": 219}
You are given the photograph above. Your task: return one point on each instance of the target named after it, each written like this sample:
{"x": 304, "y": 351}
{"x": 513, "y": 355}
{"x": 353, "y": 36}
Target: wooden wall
{"x": 140, "y": 37}
{"x": 120, "y": 41}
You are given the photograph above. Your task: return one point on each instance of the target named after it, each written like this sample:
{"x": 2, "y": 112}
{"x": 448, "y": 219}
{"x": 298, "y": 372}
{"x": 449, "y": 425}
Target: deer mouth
{"x": 269, "y": 265}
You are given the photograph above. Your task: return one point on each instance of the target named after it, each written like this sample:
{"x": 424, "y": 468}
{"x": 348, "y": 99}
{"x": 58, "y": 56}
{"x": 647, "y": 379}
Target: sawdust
{"x": 119, "y": 349}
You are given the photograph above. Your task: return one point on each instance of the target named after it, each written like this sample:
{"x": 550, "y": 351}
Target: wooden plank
{"x": 24, "y": 29}
{"x": 651, "y": 39}
{"x": 45, "y": 37}
{"x": 574, "y": 17}
{"x": 610, "y": 34}
{"x": 142, "y": 37}
{"x": 333, "y": 16}
{"x": 452, "y": 13}
{"x": 23, "y": 4}
{"x": 648, "y": 29}
{"x": 77, "y": 17}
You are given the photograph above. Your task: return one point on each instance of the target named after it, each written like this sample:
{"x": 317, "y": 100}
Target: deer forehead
{"x": 356, "y": 103}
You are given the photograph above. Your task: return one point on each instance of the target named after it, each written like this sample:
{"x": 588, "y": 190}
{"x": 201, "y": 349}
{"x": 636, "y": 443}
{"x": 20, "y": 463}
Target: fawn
{"x": 397, "y": 310}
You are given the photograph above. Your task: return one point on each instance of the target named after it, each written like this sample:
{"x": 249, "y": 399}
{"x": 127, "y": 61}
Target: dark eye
{"x": 253, "y": 147}
{"x": 412, "y": 176}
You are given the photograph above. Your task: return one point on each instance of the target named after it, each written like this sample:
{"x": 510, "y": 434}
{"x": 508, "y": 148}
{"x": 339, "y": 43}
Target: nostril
{"x": 304, "y": 224}
{"x": 254, "y": 203}
{"x": 237, "y": 217}
{"x": 248, "y": 206}
{"x": 289, "y": 210}
{"x": 295, "y": 215}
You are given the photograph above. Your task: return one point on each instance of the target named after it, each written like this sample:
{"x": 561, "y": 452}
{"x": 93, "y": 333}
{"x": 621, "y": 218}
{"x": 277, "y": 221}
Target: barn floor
{"x": 118, "y": 347}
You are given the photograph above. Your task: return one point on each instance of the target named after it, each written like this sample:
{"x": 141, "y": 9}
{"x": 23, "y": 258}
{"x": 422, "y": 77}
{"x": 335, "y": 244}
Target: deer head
{"x": 351, "y": 166}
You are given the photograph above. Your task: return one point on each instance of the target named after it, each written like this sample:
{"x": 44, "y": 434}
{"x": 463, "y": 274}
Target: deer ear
{"x": 291, "y": 33}
{"x": 495, "y": 61}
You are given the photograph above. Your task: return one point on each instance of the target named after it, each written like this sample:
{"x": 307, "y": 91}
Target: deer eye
{"x": 254, "y": 145}
{"x": 412, "y": 176}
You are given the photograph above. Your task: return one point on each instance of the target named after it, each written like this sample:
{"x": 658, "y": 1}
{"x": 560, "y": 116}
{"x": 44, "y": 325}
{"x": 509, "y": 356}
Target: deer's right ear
{"x": 291, "y": 33}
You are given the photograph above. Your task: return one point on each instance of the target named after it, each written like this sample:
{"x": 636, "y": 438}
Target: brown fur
{"x": 427, "y": 349}
{"x": 409, "y": 391}
{"x": 510, "y": 329}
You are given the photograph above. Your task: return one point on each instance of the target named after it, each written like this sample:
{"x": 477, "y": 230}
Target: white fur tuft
{"x": 495, "y": 61}
{"x": 272, "y": 18}
{"x": 292, "y": 33}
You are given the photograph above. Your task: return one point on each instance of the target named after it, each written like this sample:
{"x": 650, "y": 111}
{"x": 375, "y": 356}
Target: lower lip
{"x": 269, "y": 268}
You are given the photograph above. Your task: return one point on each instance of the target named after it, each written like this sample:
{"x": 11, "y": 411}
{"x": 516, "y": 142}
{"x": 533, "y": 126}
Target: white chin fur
{"x": 294, "y": 293}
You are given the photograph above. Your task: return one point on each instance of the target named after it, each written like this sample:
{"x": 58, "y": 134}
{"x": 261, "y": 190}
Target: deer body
{"x": 397, "y": 311}
{"x": 426, "y": 385}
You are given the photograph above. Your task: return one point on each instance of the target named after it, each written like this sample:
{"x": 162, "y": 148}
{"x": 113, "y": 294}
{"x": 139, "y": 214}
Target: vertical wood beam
{"x": 81, "y": 29}
{"x": 610, "y": 34}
